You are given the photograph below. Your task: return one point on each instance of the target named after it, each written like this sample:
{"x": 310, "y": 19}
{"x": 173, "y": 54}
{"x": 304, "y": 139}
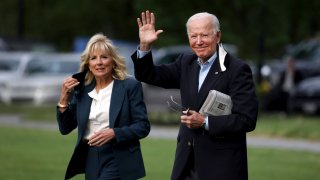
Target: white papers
{"x": 216, "y": 104}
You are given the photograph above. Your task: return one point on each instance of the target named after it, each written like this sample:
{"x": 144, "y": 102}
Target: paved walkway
{"x": 281, "y": 143}
{"x": 171, "y": 133}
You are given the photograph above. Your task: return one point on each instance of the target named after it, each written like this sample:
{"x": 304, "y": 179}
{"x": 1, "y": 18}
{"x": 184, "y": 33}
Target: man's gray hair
{"x": 215, "y": 21}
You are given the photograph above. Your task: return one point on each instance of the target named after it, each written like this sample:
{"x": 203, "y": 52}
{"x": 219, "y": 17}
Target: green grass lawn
{"x": 296, "y": 126}
{"x": 41, "y": 154}
{"x": 33, "y": 154}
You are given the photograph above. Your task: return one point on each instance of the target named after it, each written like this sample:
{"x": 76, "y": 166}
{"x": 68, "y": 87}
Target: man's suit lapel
{"x": 209, "y": 82}
{"x": 193, "y": 81}
{"x": 117, "y": 97}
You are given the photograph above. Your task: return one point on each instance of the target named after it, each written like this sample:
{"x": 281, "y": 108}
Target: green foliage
{"x": 8, "y": 18}
{"x": 244, "y": 23}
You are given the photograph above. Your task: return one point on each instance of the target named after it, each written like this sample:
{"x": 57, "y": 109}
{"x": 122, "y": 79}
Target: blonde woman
{"x": 108, "y": 110}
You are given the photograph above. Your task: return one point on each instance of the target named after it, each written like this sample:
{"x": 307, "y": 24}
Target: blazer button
{"x": 189, "y": 143}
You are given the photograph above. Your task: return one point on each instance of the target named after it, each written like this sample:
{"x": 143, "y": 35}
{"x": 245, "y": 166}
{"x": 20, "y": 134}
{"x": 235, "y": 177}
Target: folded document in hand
{"x": 216, "y": 104}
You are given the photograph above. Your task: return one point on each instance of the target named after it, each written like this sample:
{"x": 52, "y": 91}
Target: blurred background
{"x": 41, "y": 42}
{"x": 266, "y": 35}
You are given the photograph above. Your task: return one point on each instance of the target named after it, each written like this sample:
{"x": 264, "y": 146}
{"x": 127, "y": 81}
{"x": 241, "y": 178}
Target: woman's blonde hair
{"x": 101, "y": 42}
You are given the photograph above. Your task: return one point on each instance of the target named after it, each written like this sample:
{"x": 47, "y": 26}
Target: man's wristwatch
{"x": 204, "y": 124}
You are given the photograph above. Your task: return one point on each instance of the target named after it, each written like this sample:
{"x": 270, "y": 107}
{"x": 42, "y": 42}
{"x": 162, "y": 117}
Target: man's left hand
{"x": 192, "y": 119}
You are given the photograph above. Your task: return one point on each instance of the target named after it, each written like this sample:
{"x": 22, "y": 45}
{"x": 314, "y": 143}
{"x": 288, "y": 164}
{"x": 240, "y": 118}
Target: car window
{"x": 51, "y": 67}
{"x": 303, "y": 53}
{"x": 169, "y": 58}
{"x": 67, "y": 67}
{"x": 169, "y": 54}
{"x": 9, "y": 64}
{"x": 306, "y": 50}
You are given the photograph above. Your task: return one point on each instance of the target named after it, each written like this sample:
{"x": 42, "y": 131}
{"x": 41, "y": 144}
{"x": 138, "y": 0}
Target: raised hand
{"x": 147, "y": 32}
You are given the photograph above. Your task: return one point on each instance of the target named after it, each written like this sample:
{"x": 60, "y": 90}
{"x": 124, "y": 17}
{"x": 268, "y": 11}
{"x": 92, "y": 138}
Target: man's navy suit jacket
{"x": 221, "y": 152}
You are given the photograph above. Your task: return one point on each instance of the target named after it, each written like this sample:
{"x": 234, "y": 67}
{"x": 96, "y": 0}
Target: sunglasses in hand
{"x": 173, "y": 105}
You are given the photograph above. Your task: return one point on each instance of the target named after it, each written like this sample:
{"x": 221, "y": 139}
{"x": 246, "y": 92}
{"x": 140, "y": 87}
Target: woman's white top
{"x": 99, "y": 112}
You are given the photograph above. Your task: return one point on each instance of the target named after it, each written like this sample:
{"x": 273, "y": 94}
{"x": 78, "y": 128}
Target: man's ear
{"x": 218, "y": 35}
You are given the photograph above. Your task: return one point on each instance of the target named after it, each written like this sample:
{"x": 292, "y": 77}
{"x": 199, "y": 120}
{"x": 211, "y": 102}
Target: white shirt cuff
{"x": 206, "y": 127}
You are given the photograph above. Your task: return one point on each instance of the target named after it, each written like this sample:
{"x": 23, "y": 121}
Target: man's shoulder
{"x": 187, "y": 57}
{"x": 130, "y": 81}
{"x": 235, "y": 61}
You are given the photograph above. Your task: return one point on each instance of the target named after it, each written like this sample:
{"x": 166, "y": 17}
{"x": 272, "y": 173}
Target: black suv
{"x": 306, "y": 57}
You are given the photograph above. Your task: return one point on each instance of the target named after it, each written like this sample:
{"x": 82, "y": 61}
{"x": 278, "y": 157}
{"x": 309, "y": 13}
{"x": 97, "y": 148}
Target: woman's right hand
{"x": 68, "y": 84}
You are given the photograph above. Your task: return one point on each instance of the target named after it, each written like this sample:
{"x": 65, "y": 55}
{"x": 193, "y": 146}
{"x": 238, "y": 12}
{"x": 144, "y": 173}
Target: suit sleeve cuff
{"x": 141, "y": 54}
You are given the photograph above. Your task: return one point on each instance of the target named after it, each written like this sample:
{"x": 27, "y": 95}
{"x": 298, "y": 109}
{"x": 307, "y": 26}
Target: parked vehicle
{"x": 41, "y": 78}
{"x": 3, "y": 45}
{"x": 306, "y": 96}
{"x": 12, "y": 66}
{"x": 13, "y": 63}
{"x": 306, "y": 58}
{"x": 126, "y": 49}
{"x": 306, "y": 55}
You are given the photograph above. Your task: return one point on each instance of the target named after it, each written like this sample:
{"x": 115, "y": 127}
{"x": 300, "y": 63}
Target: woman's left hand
{"x": 101, "y": 137}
